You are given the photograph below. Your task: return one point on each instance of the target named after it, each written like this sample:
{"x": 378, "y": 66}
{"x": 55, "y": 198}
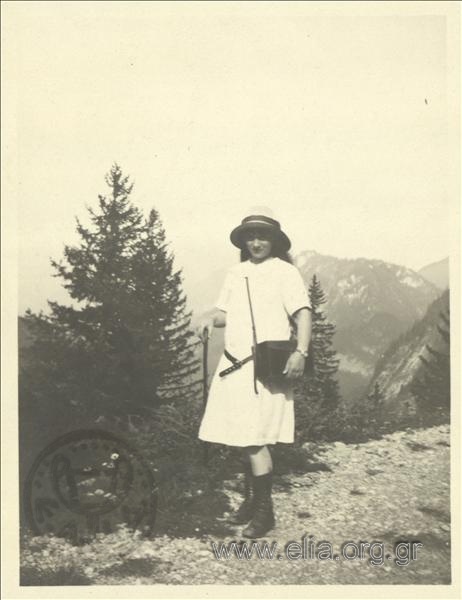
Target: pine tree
{"x": 318, "y": 391}
{"x": 375, "y": 397}
{"x": 432, "y": 387}
{"x": 372, "y": 413}
{"x": 128, "y": 337}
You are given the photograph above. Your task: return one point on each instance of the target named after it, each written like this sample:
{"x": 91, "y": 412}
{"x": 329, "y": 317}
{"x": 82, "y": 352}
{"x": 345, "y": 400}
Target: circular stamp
{"x": 87, "y": 482}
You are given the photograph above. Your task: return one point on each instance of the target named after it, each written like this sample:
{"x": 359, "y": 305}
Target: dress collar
{"x": 250, "y": 266}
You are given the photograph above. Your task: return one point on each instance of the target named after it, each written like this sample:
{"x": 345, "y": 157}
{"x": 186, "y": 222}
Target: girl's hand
{"x": 204, "y": 328}
{"x": 295, "y": 366}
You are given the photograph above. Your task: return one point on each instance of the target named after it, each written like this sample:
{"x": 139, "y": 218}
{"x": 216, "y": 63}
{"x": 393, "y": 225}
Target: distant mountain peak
{"x": 437, "y": 273}
{"x": 302, "y": 258}
{"x": 371, "y": 302}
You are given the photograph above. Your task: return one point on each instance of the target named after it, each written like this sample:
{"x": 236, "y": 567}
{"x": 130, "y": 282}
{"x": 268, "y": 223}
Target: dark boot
{"x": 263, "y": 518}
{"x": 245, "y": 512}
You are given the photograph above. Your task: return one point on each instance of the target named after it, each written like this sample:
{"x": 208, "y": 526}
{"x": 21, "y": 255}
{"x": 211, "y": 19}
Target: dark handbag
{"x": 271, "y": 359}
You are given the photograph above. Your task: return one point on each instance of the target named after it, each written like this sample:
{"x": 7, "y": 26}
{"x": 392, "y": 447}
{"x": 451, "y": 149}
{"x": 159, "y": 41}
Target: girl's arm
{"x": 296, "y": 363}
{"x": 210, "y": 319}
{"x": 302, "y": 319}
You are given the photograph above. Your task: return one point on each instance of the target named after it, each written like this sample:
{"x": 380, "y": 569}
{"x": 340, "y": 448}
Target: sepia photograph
{"x": 231, "y": 299}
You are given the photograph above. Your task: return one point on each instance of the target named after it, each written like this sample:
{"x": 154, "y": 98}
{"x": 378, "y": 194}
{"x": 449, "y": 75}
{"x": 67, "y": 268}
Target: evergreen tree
{"x": 375, "y": 397}
{"x": 128, "y": 337}
{"x": 432, "y": 386}
{"x": 372, "y": 413}
{"x": 365, "y": 418}
{"x": 318, "y": 391}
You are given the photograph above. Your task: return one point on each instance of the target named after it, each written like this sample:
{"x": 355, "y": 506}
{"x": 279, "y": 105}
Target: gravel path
{"x": 386, "y": 491}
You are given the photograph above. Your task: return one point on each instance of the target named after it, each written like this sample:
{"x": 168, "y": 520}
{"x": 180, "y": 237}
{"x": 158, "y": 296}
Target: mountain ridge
{"x": 371, "y": 302}
{"x": 437, "y": 273}
{"x": 400, "y": 364}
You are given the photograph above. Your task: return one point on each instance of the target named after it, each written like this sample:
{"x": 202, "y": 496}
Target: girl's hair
{"x": 276, "y": 251}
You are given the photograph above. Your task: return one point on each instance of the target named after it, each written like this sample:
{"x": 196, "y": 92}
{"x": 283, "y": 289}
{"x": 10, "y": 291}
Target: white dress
{"x": 235, "y": 415}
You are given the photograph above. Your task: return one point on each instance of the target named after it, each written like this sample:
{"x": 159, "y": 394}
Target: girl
{"x": 241, "y": 412}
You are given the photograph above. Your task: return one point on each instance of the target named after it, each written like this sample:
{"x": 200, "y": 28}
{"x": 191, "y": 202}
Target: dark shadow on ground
{"x": 31, "y": 576}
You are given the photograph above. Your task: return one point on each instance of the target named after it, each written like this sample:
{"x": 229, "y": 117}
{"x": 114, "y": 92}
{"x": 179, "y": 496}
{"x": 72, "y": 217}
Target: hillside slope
{"x": 400, "y": 364}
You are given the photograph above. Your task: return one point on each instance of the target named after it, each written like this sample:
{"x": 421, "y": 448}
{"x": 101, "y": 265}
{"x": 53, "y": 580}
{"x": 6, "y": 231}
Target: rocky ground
{"x": 387, "y": 491}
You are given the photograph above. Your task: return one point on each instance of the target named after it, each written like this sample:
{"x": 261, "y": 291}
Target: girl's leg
{"x": 257, "y": 506}
{"x": 260, "y": 459}
{"x": 262, "y": 472}
{"x": 245, "y": 511}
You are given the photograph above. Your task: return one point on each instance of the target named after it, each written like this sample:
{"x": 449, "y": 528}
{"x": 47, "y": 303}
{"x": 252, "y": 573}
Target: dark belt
{"x": 237, "y": 364}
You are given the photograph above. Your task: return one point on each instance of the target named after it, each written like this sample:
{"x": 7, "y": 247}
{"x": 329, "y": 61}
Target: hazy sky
{"x": 338, "y": 122}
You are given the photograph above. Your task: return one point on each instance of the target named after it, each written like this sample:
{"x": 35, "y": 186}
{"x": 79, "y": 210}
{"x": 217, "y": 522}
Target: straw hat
{"x": 260, "y": 217}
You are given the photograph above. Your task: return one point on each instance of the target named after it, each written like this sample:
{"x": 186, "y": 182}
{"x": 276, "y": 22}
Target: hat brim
{"x": 279, "y": 235}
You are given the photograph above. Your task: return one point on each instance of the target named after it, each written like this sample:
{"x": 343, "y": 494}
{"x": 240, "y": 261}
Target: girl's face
{"x": 258, "y": 243}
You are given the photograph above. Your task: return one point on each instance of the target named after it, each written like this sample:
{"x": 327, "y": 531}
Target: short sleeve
{"x": 294, "y": 292}
{"x": 222, "y": 302}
